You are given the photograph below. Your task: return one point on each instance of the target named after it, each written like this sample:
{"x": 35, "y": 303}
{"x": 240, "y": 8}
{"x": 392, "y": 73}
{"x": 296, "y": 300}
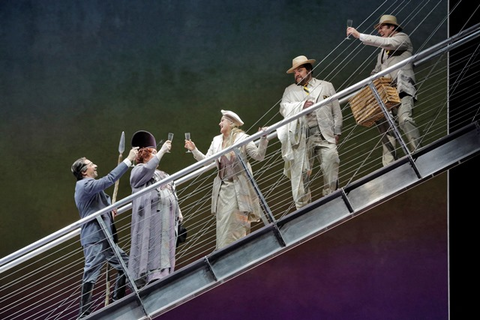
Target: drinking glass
{"x": 187, "y": 137}
{"x": 349, "y": 24}
{"x": 170, "y": 137}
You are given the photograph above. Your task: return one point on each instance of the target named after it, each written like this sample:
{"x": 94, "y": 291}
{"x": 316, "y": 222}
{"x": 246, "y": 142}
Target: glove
{"x": 167, "y": 145}
{"x": 132, "y": 154}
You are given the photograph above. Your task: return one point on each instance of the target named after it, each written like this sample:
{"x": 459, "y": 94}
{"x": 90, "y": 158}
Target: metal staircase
{"x": 300, "y": 226}
{"x": 206, "y": 269}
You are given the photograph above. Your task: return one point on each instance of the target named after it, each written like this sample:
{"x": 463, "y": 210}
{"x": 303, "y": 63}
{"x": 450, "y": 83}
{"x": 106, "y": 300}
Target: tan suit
{"x": 300, "y": 145}
{"x": 395, "y": 49}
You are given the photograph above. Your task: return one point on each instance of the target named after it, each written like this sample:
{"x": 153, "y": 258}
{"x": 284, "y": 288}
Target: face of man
{"x": 91, "y": 171}
{"x": 385, "y": 30}
{"x": 301, "y": 75}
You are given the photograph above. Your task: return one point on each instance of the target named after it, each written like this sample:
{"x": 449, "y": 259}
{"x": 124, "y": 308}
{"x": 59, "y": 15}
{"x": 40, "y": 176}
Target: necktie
{"x": 306, "y": 89}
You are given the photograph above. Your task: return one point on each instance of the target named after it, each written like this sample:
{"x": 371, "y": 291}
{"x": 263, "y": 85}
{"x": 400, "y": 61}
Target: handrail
{"x": 202, "y": 166}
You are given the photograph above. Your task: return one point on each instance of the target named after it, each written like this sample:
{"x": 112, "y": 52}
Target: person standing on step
{"x": 155, "y": 214}
{"x": 234, "y": 201}
{"x": 395, "y": 46}
{"x": 314, "y": 135}
{"x": 90, "y": 197}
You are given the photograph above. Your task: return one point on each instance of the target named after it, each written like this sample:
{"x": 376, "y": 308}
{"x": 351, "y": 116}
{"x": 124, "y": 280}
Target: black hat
{"x": 143, "y": 139}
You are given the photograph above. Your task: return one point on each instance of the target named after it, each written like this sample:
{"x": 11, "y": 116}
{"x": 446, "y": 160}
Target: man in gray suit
{"x": 395, "y": 47}
{"x": 314, "y": 135}
{"x": 90, "y": 197}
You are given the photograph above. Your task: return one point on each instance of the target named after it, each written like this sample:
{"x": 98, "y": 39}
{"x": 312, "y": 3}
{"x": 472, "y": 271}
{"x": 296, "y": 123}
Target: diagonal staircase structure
{"x": 278, "y": 234}
{"x": 298, "y": 227}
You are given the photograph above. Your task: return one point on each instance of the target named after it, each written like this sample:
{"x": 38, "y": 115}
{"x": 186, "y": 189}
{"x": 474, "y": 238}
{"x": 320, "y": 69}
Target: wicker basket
{"x": 365, "y": 107}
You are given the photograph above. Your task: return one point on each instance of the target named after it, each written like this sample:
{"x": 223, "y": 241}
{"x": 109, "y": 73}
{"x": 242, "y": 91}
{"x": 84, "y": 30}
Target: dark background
{"x": 75, "y": 74}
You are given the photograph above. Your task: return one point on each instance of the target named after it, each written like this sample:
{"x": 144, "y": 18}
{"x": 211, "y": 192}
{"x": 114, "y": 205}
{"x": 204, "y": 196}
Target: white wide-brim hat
{"x": 387, "y": 19}
{"x": 232, "y": 116}
{"x": 299, "y": 61}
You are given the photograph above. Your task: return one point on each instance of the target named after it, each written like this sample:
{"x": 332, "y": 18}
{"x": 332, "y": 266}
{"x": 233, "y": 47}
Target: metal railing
{"x": 43, "y": 279}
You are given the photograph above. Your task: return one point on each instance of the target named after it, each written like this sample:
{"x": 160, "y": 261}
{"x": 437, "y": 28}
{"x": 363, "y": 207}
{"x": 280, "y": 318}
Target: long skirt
{"x": 152, "y": 254}
{"x": 232, "y": 224}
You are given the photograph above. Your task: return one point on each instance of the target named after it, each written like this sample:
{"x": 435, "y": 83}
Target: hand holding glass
{"x": 187, "y": 137}
{"x": 349, "y": 24}
{"x": 170, "y": 137}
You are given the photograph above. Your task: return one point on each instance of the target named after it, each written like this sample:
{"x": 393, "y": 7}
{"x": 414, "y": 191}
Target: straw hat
{"x": 299, "y": 61}
{"x": 387, "y": 19}
{"x": 232, "y": 116}
{"x": 143, "y": 139}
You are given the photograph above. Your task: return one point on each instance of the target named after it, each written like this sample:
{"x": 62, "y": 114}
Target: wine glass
{"x": 187, "y": 137}
{"x": 170, "y": 137}
{"x": 349, "y": 24}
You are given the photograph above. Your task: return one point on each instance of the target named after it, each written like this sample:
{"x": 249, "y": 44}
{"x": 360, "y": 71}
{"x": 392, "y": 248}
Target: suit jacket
{"x": 90, "y": 197}
{"x": 329, "y": 119}
{"x": 393, "y": 50}
{"x": 247, "y": 198}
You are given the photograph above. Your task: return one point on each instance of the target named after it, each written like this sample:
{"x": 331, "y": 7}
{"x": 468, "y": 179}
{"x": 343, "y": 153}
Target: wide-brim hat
{"x": 143, "y": 139}
{"x": 299, "y": 61}
{"x": 232, "y": 116}
{"x": 387, "y": 19}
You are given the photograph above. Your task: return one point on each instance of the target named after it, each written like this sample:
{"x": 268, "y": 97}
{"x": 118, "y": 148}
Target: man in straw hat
{"x": 395, "y": 47}
{"x": 90, "y": 197}
{"x": 313, "y": 135}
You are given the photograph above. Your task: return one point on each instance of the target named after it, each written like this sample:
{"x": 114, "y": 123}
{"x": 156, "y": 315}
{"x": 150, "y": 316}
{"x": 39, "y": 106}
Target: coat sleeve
{"x": 198, "y": 155}
{"x": 399, "y": 41}
{"x": 289, "y": 133}
{"x": 93, "y": 186}
{"x": 337, "y": 113}
{"x": 257, "y": 153}
{"x": 142, "y": 173}
{"x": 289, "y": 106}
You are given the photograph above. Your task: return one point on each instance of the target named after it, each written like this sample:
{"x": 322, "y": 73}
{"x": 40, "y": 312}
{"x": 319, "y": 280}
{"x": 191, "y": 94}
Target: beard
{"x": 303, "y": 81}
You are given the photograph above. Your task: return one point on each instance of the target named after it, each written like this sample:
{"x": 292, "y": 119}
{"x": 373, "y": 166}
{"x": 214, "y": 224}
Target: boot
{"x": 120, "y": 286}
{"x": 85, "y": 299}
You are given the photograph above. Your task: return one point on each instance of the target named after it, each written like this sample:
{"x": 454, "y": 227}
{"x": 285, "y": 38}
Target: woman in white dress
{"x": 234, "y": 201}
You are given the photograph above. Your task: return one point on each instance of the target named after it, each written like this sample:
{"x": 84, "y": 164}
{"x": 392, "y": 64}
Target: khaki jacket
{"x": 292, "y": 135}
{"x": 393, "y": 50}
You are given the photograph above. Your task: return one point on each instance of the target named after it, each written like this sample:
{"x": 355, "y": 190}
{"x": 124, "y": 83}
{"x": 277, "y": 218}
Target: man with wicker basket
{"x": 395, "y": 47}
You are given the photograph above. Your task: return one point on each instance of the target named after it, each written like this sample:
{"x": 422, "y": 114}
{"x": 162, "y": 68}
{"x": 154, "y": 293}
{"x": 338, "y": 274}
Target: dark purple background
{"x": 389, "y": 263}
